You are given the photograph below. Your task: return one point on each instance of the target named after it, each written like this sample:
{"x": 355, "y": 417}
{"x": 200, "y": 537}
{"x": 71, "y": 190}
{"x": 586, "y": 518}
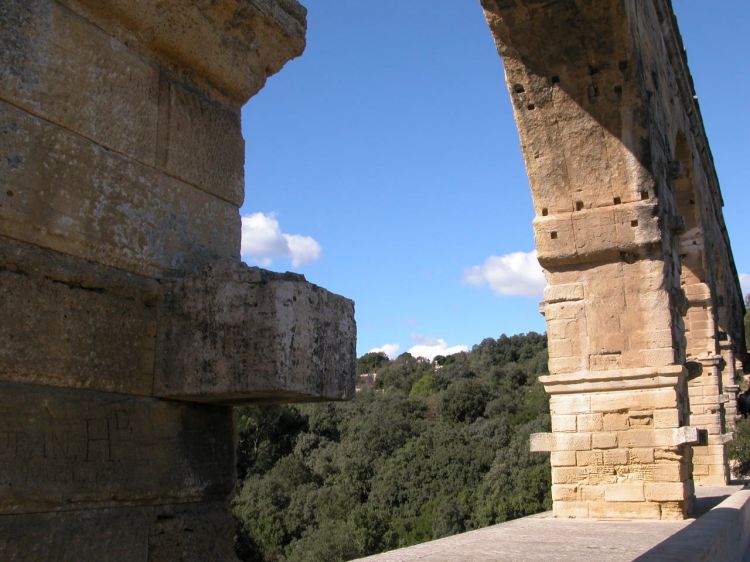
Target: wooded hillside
{"x": 432, "y": 449}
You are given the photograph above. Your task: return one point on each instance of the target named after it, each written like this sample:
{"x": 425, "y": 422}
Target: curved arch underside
{"x": 629, "y": 230}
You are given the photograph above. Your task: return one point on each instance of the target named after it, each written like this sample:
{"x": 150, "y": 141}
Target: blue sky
{"x": 384, "y": 164}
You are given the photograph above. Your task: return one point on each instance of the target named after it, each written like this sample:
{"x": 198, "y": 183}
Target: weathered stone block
{"x": 616, "y": 456}
{"x": 563, "y": 423}
{"x": 604, "y": 440}
{"x": 590, "y": 422}
{"x": 665, "y": 491}
{"x": 669, "y": 472}
{"x": 624, "y": 492}
{"x": 625, "y": 510}
{"x": 594, "y": 459}
{"x": 72, "y": 323}
{"x": 66, "y": 193}
{"x": 238, "y": 333}
{"x": 615, "y": 422}
{"x": 68, "y": 449}
{"x": 164, "y": 533}
{"x": 564, "y": 492}
{"x": 570, "y": 509}
{"x": 570, "y": 404}
{"x": 572, "y": 442}
{"x": 232, "y": 47}
{"x": 666, "y": 419}
{"x": 641, "y": 456}
{"x": 568, "y": 475}
{"x": 57, "y": 65}
{"x": 561, "y": 458}
{"x": 202, "y": 143}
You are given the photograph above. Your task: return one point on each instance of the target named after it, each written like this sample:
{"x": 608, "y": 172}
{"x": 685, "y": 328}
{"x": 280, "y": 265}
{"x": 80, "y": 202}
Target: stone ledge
{"x": 232, "y": 332}
{"x": 613, "y": 380}
{"x": 233, "y": 45}
{"x": 237, "y": 333}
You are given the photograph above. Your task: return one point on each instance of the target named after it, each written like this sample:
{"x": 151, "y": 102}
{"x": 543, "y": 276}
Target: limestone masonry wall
{"x": 643, "y": 309}
{"x": 121, "y": 179}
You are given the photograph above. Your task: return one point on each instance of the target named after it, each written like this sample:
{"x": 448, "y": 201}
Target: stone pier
{"x": 128, "y": 324}
{"x": 629, "y": 230}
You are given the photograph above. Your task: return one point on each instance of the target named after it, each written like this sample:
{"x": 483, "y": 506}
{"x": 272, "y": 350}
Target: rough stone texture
{"x": 69, "y": 194}
{"x": 131, "y": 105}
{"x": 69, "y": 449}
{"x": 61, "y": 330}
{"x": 120, "y": 183}
{"x": 289, "y": 339}
{"x": 628, "y": 227}
{"x": 163, "y": 533}
{"x": 231, "y": 46}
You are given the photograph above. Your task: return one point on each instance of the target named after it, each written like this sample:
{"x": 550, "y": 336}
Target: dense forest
{"x": 428, "y": 449}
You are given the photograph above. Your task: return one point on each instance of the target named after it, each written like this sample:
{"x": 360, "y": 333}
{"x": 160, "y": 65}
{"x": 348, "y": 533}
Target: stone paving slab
{"x": 544, "y": 538}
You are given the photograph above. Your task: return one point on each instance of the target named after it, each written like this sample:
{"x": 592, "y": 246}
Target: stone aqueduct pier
{"x": 128, "y": 325}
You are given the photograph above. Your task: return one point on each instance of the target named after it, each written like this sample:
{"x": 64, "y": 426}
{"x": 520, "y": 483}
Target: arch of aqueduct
{"x": 129, "y": 326}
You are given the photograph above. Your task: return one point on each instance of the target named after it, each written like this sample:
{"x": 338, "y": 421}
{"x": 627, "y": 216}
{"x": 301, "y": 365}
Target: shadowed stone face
{"x": 120, "y": 280}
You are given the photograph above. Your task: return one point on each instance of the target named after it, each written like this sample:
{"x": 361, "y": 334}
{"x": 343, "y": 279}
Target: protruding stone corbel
{"x": 235, "y": 333}
{"x": 685, "y": 435}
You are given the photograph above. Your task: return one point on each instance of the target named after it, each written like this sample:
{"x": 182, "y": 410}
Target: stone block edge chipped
{"x": 255, "y": 310}
{"x": 541, "y": 442}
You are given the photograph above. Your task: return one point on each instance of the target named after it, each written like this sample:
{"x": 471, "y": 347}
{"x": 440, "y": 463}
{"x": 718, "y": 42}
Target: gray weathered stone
{"x": 69, "y": 449}
{"x": 73, "y": 323}
{"x": 64, "y": 192}
{"x": 235, "y": 333}
{"x": 164, "y": 533}
{"x": 233, "y": 46}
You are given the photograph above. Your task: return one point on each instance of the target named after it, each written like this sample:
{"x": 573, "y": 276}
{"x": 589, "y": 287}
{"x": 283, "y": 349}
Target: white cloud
{"x": 518, "y": 273}
{"x": 390, "y": 349}
{"x": 263, "y": 241}
{"x": 429, "y": 348}
{"x": 745, "y": 283}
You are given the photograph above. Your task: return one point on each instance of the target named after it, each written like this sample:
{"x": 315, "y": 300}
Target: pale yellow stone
{"x": 664, "y": 419}
{"x": 563, "y": 458}
{"x": 615, "y": 422}
{"x": 625, "y": 510}
{"x": 664, "y": 491}
{"x": 641, "y": 455}
{"x": 590, "y": 422}
{"x": 624, "y": 492}
{"x": 572, "y": 442}
{"x": 564, "y": 492}
{"x": 564, "y": 423}
{"x": 570, "y": 509}
{"x": 604, "y": 440}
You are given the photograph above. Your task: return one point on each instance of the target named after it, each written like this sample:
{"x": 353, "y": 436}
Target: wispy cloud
{"x": 429, "y": 348}
{"x": 515, "y": 274}
{"x": 390, "y": 349}
{"x": 745, "y": 283}
{"x": 263, "y": 241}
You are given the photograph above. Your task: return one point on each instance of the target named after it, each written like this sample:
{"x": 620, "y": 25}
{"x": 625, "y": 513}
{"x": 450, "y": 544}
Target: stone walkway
{"x": 544, "y": 538}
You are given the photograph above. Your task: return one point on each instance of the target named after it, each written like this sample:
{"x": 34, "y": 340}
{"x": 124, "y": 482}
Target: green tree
{"x": 739, "y": 450}
{"x": 371, "y": 362}
{"x": 424, "y": 387}
{"x": 428, "y": 453}
{"x": 464, "y": 401}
